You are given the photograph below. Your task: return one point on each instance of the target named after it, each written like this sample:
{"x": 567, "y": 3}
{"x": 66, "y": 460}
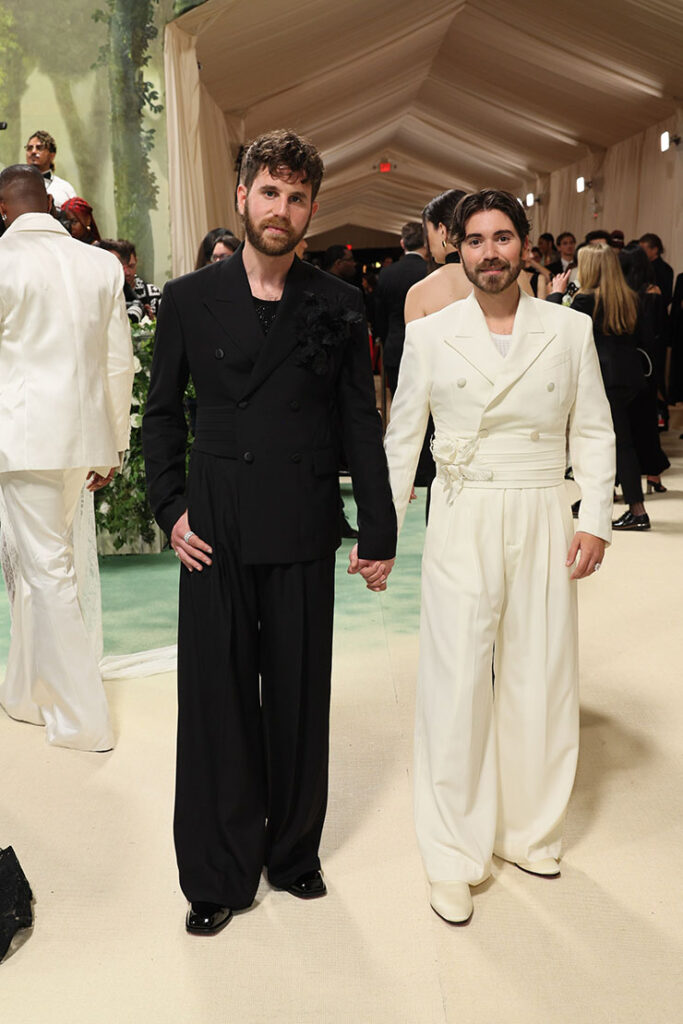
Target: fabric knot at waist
{"x": 453, "y": 456}
{"x": 498, "y": 460}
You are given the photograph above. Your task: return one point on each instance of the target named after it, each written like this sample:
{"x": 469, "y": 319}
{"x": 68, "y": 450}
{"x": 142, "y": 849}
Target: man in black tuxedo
{"x": 278, "y": 353}
{"x": 393, "y": 285}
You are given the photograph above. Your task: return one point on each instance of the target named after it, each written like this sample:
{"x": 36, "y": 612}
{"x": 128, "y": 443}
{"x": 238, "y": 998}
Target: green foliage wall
{"x": 91, "y": 73}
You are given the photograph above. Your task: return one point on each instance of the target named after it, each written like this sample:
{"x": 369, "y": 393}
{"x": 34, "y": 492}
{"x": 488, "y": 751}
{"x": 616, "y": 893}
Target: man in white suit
{"x": 66, "y": 372}
{"x": 507, "y": 378}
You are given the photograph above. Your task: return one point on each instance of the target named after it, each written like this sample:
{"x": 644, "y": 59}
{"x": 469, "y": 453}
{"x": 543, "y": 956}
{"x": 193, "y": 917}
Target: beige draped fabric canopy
{"x": 451, "y": 93}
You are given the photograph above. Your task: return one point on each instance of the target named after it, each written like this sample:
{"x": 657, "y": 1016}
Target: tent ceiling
{"x": 483, "y": 92}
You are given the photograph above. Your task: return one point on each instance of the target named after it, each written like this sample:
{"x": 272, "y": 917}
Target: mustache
{"x": 277, "y": 222}
{"x": 493, "y": 265}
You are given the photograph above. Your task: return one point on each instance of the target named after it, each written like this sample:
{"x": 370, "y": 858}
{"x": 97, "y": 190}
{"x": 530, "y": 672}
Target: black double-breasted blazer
{"x": 273, "y": 410}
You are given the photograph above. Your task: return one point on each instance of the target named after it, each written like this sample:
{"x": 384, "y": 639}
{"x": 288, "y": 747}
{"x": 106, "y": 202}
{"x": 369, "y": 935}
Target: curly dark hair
{"x": 284, "y": 154}
{"x": 489, "y": 199}
{"x": 47, "y": 141}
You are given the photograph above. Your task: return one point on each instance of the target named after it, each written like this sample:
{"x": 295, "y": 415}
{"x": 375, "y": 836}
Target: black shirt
{"x": 266, "y": 311}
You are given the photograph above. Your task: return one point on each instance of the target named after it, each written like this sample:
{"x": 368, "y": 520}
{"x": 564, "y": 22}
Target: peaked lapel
{"x": 470, "y": 337}
{"x": 529, "y": 338}
{"x": 230, "y": 302}
{"x": 282, "y": 336}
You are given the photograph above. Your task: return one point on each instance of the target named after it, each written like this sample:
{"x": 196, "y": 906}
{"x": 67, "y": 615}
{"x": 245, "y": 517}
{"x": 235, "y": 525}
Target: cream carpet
{"x": 602, "y": 944}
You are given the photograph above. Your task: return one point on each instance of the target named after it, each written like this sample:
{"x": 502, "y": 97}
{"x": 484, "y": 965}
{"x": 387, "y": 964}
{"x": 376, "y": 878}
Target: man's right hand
{"x": 374, "y": 572}
{"x": 193, "y": 552}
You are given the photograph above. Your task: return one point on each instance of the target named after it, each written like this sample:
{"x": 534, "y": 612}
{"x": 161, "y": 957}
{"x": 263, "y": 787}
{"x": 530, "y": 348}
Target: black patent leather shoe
{"x": 308, "y": 886}
{"x": 628, "y": 521}
{"x": 207, "y": 918}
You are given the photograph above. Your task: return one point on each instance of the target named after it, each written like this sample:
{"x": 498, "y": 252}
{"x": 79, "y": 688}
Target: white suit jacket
{"x": 66, "y": 358}
{"x": 504, "y": 422}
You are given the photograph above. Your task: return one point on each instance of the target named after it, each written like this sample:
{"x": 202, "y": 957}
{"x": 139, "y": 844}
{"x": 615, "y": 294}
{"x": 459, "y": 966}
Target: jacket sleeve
{"x": 592, "y": 444}
{"x": 361, "y": 429}
{"x": 164, "y": 427}
{"x": 120, "y": 370}
{"x": 409, "y": 418}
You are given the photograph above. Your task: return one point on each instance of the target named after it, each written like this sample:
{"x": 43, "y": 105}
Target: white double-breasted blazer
{"x": 66, "y": 358}
{"x": 504, "y": 421}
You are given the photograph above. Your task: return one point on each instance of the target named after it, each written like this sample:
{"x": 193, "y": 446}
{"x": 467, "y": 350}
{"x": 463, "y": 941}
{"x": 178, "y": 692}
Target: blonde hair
{"x": 600, "y": 273}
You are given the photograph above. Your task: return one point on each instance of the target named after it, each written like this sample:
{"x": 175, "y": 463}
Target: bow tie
{"x": 48, "y": 175}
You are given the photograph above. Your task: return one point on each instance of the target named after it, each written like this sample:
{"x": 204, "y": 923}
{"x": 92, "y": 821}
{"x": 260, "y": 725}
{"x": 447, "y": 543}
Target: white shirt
{"x": 58, "y": 188}
{"x": 502, "y": 342}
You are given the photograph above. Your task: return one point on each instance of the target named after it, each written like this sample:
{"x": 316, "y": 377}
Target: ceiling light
{"x": 582, "y": 184}
{"x": 529, "y": 199}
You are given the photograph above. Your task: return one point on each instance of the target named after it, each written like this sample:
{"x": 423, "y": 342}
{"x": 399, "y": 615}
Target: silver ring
{"x": 186, "y": 538}
{"x": 597, "y": 566}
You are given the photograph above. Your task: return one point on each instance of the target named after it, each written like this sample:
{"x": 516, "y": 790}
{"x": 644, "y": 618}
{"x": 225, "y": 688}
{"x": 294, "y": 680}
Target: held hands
{"x": 592, "y": 552}
{"x": 94, "y": 480}
{"x": 192, "y": 551}
{"x": 374, "y": 573}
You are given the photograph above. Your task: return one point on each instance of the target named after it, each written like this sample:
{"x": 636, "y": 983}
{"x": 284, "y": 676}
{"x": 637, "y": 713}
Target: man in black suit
{"x": 339, "y": 260}
{"x": 390, "y": 296}
{"x": 278, "y": 354}
{"x": 566, "y": 246}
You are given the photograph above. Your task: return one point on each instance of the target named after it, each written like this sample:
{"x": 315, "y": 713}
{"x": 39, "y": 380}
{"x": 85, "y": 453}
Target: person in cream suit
{"x": 66, "y": 373}
{"x": 507, "y": 379}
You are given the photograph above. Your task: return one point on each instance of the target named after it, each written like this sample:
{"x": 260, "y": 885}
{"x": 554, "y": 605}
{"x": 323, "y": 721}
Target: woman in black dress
{"x": 613, "y": 307}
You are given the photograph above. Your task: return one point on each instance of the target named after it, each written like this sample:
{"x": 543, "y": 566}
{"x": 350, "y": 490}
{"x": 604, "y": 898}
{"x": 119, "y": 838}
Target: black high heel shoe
{"x": 657, "y": 486}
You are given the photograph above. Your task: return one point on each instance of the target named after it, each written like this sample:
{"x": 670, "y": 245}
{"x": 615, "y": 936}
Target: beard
{"x": 496, "y": 283}
{"x": 272, "y": 245}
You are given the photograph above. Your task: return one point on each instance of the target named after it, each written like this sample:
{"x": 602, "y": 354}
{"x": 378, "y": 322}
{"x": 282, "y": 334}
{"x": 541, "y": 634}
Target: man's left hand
{"x": 591, "y": 550}
{"x": 374, "y": 572}
{"x": 94, "y": 480}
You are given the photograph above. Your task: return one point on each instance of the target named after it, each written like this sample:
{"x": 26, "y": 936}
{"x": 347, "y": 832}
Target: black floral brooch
{"x": 322, "y": 326}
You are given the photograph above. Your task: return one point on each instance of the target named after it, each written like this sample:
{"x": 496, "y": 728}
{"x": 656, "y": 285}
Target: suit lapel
{"x": 231, "y": 304}
{"x": 529, "y": 338}
{"x": 282, "y": 336}
{"x": 471, "y": 338}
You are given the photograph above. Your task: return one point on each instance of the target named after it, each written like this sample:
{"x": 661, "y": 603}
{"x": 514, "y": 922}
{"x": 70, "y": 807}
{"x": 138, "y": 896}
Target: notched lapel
{"x": 529, "y": 339}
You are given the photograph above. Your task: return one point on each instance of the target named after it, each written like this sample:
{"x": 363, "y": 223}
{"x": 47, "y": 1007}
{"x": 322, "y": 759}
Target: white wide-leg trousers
{"x": 495, "y": 766}
{"x": 52, "y": 674}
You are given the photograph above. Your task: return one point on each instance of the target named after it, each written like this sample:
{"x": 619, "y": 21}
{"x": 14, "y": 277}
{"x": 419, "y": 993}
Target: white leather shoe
{"x": 452, "y": 901}
{"x": 547, "y": 868}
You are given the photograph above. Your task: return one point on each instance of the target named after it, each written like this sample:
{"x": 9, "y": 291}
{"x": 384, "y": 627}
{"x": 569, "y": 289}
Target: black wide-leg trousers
{"x": 254, "y": 665}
